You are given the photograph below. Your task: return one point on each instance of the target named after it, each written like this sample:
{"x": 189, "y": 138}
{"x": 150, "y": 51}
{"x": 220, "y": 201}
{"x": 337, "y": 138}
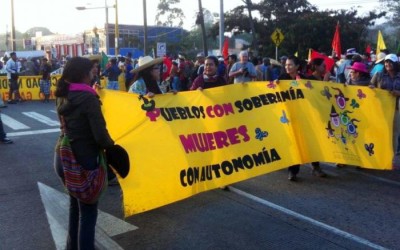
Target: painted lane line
{"x": 307, "y": 219}
{"x": 12, "y": 123}
{"x": 56, "y": 205}
{"x": 34, "y": 132}
{"x": 354, "y": 171}
{"x": 41, "y": 118}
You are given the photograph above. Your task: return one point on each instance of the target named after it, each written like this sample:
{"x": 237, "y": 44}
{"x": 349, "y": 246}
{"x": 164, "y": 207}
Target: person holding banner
{"x": 148, "y": 71}
{"x": 45, "y": 70}
{"x": 359, "y": 75}
{"x": 13, "y": 68}
{"x": 292, "y": 66}
{"x": 209, "y": 78}
{"x": 318, "y": 73}
{"x": 389, "y": 80}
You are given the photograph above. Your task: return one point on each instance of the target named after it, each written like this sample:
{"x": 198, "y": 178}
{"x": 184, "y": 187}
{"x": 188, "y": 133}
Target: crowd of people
{"x": 145, "y": 76}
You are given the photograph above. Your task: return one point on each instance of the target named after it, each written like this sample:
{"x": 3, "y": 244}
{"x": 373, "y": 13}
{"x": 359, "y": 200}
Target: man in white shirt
{"x": 12, "y": 68}
{"x": 243, "y": 71}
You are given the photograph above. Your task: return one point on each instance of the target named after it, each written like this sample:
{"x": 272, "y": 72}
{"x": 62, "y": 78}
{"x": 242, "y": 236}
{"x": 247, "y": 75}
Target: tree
{"x": 302, "y": 25}
{"x": 393, "y": 6}
{"x": 173, "y": 16}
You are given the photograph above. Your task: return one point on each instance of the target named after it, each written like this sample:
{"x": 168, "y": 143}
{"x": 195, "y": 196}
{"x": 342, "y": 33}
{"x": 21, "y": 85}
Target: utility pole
{"x": 145, "y": 28}
{"x": 13, "y": 44}
{"x": 203, "y": 29}
{"x": 221, "y": 25}
{"x": 106, "y": 28}
{"x": 116, "y": 30}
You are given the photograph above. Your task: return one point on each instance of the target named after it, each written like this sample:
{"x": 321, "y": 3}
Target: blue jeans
{"x": 113, "y": 85}
{"x": 82, "y": 224}
{"x": 176, "y": 83}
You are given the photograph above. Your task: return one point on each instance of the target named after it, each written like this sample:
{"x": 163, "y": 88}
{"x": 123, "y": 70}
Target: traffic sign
{"x": 161, "y": 49}
{"x": 277, "y": 37}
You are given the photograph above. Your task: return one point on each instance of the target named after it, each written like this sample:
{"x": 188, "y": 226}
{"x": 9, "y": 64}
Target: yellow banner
{"x": 30, "y": 89}
{"x": 180, "y": 145}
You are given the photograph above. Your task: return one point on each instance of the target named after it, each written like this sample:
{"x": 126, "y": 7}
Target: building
{"x": 131, "y": 39}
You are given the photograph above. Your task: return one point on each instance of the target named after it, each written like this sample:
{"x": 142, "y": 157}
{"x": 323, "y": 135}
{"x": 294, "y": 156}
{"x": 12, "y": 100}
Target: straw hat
{"x": 380, "y": 57}
{"x": 145, "y": 62}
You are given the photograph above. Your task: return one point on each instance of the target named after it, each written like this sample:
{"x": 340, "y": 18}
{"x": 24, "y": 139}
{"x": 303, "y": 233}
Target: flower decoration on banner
{"x": 342, "y": 125}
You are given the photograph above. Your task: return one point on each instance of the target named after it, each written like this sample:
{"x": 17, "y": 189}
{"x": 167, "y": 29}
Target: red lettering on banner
{"x": 204, "y": 142}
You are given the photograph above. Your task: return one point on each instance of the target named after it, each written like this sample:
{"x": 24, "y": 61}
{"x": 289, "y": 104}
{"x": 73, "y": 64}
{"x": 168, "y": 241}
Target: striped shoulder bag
{"x": 85, "y": 185}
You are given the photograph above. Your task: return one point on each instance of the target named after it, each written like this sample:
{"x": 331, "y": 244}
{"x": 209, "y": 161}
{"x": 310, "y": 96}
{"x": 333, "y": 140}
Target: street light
{"x": 106, "y": 26}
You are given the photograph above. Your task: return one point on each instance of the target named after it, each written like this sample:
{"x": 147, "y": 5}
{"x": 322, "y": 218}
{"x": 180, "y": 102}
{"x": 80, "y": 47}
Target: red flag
{"x": 225, "y": 50}
{"x": 167, "y": 64}
{"x": 368, "y": 49}
{"x": 336, "y": 46}
{"x": 368, "y": 52}
{"x": 329, "y": 62}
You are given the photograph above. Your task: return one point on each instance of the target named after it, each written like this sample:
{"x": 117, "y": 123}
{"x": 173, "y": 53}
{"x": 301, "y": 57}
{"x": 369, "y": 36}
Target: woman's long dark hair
{"x": 151, "y": 83}
{"x": 76, "y": 69}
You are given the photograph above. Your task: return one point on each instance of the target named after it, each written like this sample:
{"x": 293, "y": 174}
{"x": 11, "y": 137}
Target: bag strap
{"x": 63, "y": 127}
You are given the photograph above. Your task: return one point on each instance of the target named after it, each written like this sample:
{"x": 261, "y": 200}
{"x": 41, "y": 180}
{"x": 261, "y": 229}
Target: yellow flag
{"x": 380, "y": 45}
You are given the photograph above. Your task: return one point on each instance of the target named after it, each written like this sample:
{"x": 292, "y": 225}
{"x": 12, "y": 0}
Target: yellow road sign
{"x": 277, "y": 37}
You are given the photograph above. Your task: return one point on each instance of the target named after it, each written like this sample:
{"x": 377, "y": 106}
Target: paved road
{"x": 351, "y": 209}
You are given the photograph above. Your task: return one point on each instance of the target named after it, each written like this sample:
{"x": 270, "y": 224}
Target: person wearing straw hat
{"x": 148, "y": 72}
{"x": 378, "y": 64}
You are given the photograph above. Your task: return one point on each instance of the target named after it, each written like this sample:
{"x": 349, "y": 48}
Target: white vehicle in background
{"x": 27, "y": 54}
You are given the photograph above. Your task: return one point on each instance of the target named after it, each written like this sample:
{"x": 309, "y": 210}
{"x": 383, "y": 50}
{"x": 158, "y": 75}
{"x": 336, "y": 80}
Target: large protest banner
{"x": 180, "y": 145}
{"x": 29, "y": 87}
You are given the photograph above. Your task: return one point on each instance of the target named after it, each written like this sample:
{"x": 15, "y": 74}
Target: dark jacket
{"x": 85, "y": 126}
{"x": 211, "y": 82}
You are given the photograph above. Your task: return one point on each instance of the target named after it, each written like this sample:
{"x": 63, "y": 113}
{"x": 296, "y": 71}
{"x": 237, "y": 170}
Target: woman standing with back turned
{"x": 79, "y": 106}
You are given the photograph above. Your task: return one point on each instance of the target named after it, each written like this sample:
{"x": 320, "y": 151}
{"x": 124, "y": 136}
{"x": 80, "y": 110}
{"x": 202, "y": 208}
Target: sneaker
{"x": 12, "y": 102}
{"x": 292, "y": 177}
{"x": 225, "y": 188}
{"x": 6, "y": 140}
{"x": 317, "y": 171}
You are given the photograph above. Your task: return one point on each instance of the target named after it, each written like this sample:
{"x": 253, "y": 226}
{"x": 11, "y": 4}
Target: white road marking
{"x": 12, "y": 123}
{"x": 41, "y": 118}
{"x": 308, "y": 219}
{"x": 33, "y": 132}
{"x": 56, "y": 205}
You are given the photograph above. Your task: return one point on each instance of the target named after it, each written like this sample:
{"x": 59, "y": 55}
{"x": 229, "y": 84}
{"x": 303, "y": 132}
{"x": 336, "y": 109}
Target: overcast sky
{"x": 60, "y": 16}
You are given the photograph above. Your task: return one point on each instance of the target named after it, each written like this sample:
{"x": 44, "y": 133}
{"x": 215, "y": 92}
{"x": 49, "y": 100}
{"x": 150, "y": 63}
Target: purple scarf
{"x": 81, "y": 87}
